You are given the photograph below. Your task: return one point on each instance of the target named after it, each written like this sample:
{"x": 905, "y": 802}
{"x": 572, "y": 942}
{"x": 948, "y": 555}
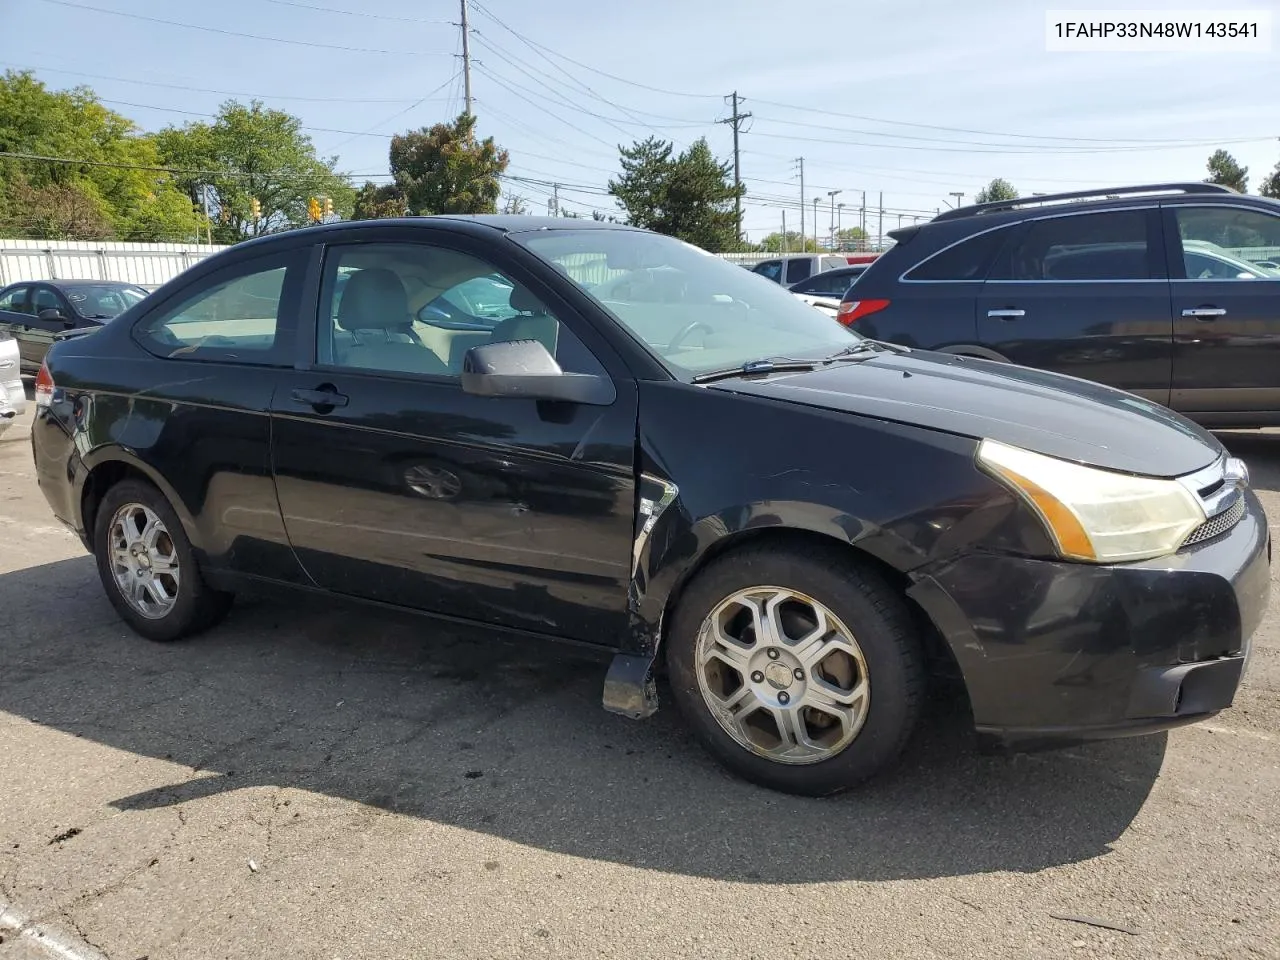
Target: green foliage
{"x": 851, "y": 238}
{"x": 690, "y": 196}
{"x": 773, "y": 243}
{"x": 1271, "y": 186}
{"x": 50, "y": 200}
{"x": 998, "y": 189}
{"x": 375, "y": 201}
{"x": 265, "y": 156}
{"x": 445, "y": 169}
{"x": 1224, "y": 169}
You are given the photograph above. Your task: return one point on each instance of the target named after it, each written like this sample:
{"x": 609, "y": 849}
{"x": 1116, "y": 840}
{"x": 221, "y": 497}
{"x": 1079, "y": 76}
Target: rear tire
{"x": 148, "y": 568}
{"x": 801, "y": 672}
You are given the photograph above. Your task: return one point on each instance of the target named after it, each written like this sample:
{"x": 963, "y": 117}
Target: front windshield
{"x": 695, "y": 311}
{"x": 104, "y": 302}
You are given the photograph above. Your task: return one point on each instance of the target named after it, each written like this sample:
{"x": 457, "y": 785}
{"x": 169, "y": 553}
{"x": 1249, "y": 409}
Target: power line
{"x": 249, "y": 36}
{"x": 356, "y": 13}
{"x": 1067, "y": 151}
{"x": 578, "y": 63}
{"x": 930, "y": 126}
{"x": 502, "y": 83}
{"x": 1046, "y": 147}
{"x": 400, "y": 113}
{"x": 191, "y": 89}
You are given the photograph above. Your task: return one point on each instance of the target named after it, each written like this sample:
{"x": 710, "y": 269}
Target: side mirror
{"x": 525, "y": 369}
{"x": 51, "y": 313}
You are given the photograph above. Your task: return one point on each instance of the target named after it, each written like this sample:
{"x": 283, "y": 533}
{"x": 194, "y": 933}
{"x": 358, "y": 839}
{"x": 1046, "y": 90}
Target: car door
{"x": 41, "y": 331}
{"x": 1226, "y": 309}
{"x": 196, "y": 406}
{"x": 1084, "y": 294}
{"x": 397, "y": 486}
{"x": 16, "y": 317}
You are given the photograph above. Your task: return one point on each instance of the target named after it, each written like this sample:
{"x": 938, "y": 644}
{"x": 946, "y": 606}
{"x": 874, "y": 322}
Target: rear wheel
{"x": 147, "y": 566}
{"x": 800, "y": 672}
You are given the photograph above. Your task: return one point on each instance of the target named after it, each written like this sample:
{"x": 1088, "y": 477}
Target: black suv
{"x": 1169, "y": 291}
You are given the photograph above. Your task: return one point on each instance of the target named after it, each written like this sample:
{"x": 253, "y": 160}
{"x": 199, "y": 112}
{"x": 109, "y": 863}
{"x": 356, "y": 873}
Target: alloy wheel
{"x": 144, "y": 560}
{"x": 782, "y": 675}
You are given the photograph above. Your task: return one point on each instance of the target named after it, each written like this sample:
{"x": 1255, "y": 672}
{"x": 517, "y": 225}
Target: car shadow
{"x": 509, "y": 741}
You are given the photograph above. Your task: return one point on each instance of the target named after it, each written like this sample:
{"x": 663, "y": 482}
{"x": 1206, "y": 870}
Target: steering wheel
{"x": 684, "y": 332}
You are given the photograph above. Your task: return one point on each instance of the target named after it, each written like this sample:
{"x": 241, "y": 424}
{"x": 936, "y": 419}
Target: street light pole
{"x": 832, "y": 195}
{"x": 959, "y": 195}
{"x": 840, "y": 221}
{"x": 816, "y": 201}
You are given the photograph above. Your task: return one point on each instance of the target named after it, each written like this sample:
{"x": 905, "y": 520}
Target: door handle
{"x": 1007, "y": 314}
{"x": 1204, "y": 313}
{"x": 326, "y": 396}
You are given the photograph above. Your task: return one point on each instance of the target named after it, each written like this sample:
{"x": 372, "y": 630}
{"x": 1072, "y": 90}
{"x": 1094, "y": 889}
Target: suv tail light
{"x": 44, "y": 386}
{"x": 851, "y": 311}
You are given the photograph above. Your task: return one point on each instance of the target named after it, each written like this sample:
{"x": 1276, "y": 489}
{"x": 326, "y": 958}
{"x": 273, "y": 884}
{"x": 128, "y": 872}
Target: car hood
{"x": 1045, "y": 412}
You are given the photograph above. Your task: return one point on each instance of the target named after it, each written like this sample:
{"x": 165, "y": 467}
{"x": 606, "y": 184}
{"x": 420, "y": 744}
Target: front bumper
{"x": 1054, "y": 652}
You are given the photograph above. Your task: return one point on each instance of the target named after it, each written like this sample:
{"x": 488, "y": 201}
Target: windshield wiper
{"x": 867, "y": 346}
{"x": 764, "y": 365}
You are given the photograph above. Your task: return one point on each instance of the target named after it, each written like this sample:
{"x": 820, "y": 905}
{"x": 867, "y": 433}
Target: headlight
{"x": 1096, "y": 515}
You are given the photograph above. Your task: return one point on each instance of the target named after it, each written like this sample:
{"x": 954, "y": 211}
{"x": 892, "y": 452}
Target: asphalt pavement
{"x": 310, "y": 780}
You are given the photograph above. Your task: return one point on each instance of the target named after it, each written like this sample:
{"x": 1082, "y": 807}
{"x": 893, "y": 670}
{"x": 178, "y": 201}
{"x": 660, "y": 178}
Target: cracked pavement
{"x": 403, "y": 791}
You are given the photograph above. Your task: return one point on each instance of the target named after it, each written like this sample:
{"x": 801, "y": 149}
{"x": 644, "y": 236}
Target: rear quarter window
{"x": 970, "y": 259}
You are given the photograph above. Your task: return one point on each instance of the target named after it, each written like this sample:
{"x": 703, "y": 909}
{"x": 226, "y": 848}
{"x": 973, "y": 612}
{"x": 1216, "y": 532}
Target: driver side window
{"x": 416, "y": 309}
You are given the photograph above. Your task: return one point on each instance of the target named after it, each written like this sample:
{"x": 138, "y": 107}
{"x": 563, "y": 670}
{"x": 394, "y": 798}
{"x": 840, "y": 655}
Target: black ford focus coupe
{"x": 593, "y": 434}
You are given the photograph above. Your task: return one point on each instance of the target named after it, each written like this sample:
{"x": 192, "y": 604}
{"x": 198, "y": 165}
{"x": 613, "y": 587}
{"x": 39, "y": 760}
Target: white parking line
{"x": 46, "y": 940}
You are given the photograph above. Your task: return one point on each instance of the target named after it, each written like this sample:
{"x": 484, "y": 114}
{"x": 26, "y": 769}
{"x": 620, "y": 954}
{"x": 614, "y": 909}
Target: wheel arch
{"x": 106, "y": 468}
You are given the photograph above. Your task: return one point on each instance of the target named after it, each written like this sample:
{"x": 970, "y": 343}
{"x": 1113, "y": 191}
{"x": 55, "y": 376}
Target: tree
{"x": 515, "y": 205}
{"x": 112, "y": 194}
{"x": 773, "y": 243}
{"x": 253, "y": 153}
{"x": 690, "y": 196}
{"x": 1271, "y": 186}
{"x": 446, "y": 169}
{"x": 998, "y": 189}
{"x": 851, "y": 238}
{"x": 376, "y": 201}
{"x": 1224, "y": 169}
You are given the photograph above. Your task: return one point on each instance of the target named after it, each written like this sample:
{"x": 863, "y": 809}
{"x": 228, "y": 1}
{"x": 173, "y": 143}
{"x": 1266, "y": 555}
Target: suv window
{"x": 236, "y": 318}
{"x": 1092, "y": 246}
{"x": 829, "y": 283}
{"x": 1228, "y": 243}
{"x": 414, "y": 308}
{"x": 967, "y": 260}
{"x": 769, "y": 268}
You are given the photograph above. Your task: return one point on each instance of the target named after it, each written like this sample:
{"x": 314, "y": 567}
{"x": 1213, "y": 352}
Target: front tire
{"x": 801, "y": 672}
{"x": 148, "y": 568}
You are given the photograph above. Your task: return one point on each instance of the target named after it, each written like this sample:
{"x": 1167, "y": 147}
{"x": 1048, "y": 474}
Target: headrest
{"x": 374, "y": 299}
{"x": 526, "y": 302}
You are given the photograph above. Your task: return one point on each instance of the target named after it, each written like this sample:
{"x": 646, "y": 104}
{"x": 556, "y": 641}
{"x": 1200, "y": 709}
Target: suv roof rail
{"x": 978, "y": 209}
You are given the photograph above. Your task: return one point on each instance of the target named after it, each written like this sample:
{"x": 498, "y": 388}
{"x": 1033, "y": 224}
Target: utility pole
{"x": 553, "y": 201}
{"x": 466, "y": 57}
{"x": 784, "y": 230}
{"x": 816, "y": 201}
{"x": 880, "y": 228}
{"x": 736, "y": 120}
{"x": 802, "y": 195}
{"x": 839, "y": 221}
{"x": 862, "y": 221}
{"x": 208, "y": 217}
{"x": 832, "y": 194}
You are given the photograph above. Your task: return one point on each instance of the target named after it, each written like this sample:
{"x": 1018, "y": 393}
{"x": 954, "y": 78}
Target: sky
{"x": 906, "y": 99}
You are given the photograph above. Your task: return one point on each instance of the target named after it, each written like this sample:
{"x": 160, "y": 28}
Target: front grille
{"x": 1217, "y": 526}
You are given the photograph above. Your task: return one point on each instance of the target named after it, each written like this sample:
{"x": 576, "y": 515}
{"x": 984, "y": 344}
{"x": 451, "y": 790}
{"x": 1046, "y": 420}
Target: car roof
{"x": 72, "y": 284}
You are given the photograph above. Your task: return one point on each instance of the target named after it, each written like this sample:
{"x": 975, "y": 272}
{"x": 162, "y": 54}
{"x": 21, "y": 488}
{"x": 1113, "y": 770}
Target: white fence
{"x": 146, "y": 264}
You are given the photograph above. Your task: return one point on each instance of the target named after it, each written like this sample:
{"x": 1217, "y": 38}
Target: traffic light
{"x": 328, "y": 206}
{"x": 255, "y": 208}
{"x": 313, "y": 209}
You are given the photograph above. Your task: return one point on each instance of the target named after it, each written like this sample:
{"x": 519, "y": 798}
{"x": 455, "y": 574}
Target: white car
{"x": 828, "y": 305}
{"x": 10, "y": 378}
